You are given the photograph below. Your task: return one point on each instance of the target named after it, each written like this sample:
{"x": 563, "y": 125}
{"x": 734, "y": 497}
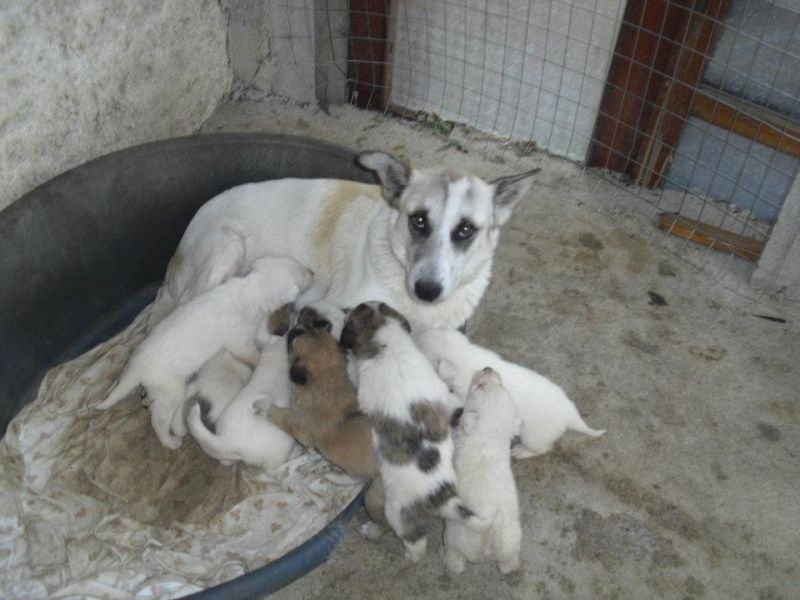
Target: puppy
{"x": 242, "y": 432}
{"x": 323, "y": 409}
{"x": 217, "y": 383}
{"x": 225, "y": 317}
{"x": 544, "y": 409}
{"x": 485, "y": 481}
{"x": 406, "y": 403}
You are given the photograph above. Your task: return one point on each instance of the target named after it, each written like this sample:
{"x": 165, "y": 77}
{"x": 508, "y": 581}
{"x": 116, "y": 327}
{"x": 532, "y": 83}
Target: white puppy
{"x": 226, "y": 317}
{"x": 544, "y": 409}
{"x": 406, "y": 405}
{"x": 218, "y": 381}
{"x": 485, "y": 480}
{"x": 242, "y": 432}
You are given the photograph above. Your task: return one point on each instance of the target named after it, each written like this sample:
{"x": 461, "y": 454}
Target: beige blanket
{"x": 91, "y": 504}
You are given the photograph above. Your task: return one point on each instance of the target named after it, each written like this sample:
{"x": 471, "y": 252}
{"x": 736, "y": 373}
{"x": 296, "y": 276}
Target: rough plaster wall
{"x": 531, "y": 70}
{"x": 331, "y": 26}
{"x": 79, "y": 80}
{"x": 271, "y": 48}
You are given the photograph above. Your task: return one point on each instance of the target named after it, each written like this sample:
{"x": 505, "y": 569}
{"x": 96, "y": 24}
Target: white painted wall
{"x": 779, "y": 266}
{"x": 81, "y": 79}
{"x": 529, "y": 70}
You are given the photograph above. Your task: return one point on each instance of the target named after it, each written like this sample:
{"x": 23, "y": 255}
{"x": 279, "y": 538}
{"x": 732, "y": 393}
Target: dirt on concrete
{"x": 693, "y": 491}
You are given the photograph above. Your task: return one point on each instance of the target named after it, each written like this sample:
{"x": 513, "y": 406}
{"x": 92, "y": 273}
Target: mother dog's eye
{"x": 418, "y": 221}
{"x": 463, "y": 231}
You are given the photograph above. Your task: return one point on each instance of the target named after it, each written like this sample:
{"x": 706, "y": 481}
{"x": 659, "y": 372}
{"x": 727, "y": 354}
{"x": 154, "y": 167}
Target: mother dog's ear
{"x": 508, "y": 191}
{"x": 392, "y": 173}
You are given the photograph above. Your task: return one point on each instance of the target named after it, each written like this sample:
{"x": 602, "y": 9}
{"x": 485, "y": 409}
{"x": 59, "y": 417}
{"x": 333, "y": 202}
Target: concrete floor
{"x": 693, "y": 492}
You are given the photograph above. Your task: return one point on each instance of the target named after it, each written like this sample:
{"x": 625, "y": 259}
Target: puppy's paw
{"x": 415, "y": 551}
{"x": 371, "y": 531}
{"x": 171, "y": 442}
{"x": 519, "y": 451}
{"x": 455, "y": 561}
{"x": 508, "y": 565}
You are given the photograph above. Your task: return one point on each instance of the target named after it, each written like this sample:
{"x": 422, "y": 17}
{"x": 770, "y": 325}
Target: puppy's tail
{"x": 123, "y": 387}
{"x": 579, "y": 425}
{"x": 209, "y": 442}
{"x": 455, "y": 510}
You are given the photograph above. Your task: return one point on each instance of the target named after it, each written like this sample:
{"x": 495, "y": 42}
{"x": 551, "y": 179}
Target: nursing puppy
{"x": 544, "y": 409}
{"x": 485, "y": 480}
{"x": 242, "y": 432}
{"x": 226, "y": 317}
{"x": 217, "y": 382}
{"x": 406, "y": 404}
{"x": 422, "y": 242}
{"x": 322, "y": 412}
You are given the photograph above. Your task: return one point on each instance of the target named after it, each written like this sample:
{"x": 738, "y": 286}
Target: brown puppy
{"x": 323, "y": 411}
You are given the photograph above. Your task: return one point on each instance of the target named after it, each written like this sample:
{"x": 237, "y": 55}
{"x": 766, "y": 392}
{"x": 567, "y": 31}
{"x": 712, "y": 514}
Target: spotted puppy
{"x": 242, "y": 432}
{"x": 406, "y": 403}
{"x": 217, "y": 382}
{"x": 323, "y": 409}
{"x": 485, "y": 480}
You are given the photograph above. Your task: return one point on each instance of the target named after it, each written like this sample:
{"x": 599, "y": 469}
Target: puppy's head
{"x": 361, "y": 324}
{"x": 490, "y": 403}
{"x": 447, "y": 222}
{"x": 310, "y": 318}
{"x": 313, "y": 351}
{"x": 486, "y": 378}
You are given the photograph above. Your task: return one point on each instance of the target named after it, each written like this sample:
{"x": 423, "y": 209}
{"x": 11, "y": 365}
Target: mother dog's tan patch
{"x": 340, "y": 197}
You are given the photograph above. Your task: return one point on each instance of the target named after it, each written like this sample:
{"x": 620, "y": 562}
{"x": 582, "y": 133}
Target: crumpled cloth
{"x": 92, "y": 506}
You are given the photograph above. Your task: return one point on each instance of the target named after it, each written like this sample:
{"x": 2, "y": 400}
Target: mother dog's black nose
{"x": 427, "y": 290}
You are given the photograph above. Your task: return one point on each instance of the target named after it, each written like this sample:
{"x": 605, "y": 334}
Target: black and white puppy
{"x": 407, "y": 407}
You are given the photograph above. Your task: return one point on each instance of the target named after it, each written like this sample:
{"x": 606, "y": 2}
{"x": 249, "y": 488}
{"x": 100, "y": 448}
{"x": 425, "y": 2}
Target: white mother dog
{"x": 426, "y": 248}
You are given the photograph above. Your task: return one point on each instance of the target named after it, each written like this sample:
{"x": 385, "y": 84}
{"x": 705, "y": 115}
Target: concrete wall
{"x": 779, "y": 266}
{"x": 530, "y": 70}
{"x": 81, "y": 79}
{"x": 272, "y": 47}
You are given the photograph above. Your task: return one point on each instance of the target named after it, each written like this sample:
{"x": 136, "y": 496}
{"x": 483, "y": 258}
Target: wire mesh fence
{"x": 687, "y": 108}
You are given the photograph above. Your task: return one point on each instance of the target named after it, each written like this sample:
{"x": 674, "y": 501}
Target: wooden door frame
{"x": 661, "y": 51}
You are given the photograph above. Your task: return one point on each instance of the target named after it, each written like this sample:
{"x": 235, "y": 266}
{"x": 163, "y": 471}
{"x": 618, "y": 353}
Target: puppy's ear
{"x": 392, "y": 173}
{"x": 455, "y": 418}
{"x": 404, "y": 322}
{"x": 298, "y": 373}
{"x": 278, "y": 321}
{"x": 508, "y": 191}
{"x": 293, "y": 334}
{"x": 322, "y": 324}
{"x": 388, "y": 311}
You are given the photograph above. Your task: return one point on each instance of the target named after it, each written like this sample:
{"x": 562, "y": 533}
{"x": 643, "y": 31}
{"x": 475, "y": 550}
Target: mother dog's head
{"x": 447, "y": 222}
